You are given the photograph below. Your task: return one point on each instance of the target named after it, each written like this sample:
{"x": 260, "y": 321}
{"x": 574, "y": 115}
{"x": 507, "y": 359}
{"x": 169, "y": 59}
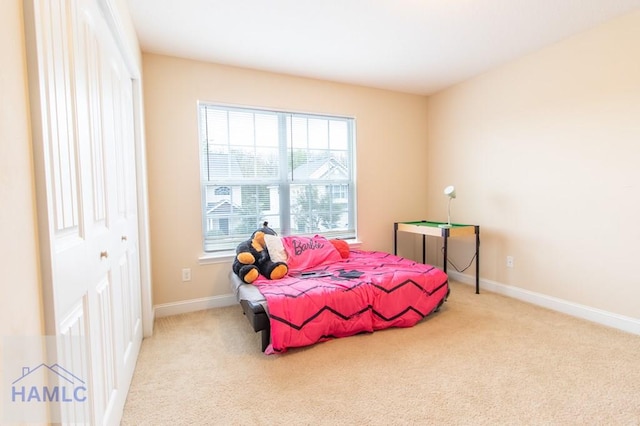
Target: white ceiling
{"x": 415, "y": 46}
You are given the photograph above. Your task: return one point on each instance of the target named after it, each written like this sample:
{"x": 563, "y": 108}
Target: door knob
{"x": 104, "y": 254}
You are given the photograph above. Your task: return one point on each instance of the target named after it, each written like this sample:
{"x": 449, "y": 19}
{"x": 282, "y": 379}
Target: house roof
{"x": 321, "y": 169}
{"x": 222, "y": 166}
{"x": 228, "y": 166}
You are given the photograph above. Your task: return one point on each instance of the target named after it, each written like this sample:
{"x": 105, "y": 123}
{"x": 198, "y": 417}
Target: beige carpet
{"x": 482, "y": 360}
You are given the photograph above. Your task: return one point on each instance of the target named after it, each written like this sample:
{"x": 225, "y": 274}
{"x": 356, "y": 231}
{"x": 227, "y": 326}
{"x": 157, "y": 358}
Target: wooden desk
{"x": 434, "y": 229}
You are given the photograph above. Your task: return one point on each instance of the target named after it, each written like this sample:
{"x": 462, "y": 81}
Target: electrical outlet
{"x": 509, "y": 261}
{"x": 186, "y": 274}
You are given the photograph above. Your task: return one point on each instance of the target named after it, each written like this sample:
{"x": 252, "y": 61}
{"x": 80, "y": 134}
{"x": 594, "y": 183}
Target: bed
{"x": 329, "y": 295}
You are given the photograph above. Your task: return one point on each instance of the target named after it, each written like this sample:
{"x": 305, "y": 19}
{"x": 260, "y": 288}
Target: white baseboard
{"x": 610, "y": 319}
{"x": 620, "y": 322}
{"x": 186, "y": 306}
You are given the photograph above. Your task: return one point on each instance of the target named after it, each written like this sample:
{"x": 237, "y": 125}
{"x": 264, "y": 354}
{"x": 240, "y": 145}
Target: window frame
{"x": 284, "y": 180}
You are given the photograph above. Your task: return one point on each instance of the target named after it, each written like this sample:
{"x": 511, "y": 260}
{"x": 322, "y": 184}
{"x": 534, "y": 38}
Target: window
{"x": 295, "y": 171}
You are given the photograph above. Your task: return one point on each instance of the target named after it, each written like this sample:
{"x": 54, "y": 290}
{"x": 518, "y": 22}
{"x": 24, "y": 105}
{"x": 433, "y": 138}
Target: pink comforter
{"x": 367, "y": 291}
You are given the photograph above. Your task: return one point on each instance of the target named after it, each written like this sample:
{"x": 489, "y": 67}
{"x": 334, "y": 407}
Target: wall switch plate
{"x": 186, "y": 274}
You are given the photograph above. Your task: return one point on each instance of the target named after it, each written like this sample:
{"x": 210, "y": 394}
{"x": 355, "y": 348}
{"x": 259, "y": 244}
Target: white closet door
{"x": 86, "y": 185}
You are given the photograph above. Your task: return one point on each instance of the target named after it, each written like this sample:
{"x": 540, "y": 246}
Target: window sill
{"x": 228, "y": 256}
{"x": 354, "y": 243}
{"x": 212, "y": 258}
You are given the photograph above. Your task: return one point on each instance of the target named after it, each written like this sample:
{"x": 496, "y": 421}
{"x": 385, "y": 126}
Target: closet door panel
{"x": 86, "y": 193}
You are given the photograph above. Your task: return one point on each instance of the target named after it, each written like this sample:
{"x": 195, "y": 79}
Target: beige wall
{"x": 391, "y": 152}
{"x": 545, "y": 153}
{"x": 20, "y": 304}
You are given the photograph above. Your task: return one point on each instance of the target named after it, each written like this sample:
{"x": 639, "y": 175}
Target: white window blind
{"x": 295, "y": 171}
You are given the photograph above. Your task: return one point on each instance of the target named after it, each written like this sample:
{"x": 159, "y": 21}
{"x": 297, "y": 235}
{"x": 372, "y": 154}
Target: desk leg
{"x": 445, "y": 255}
{"x": 478, "y": 261}
{"x": 424, "y": 249}
{"x": 395, "y": 239}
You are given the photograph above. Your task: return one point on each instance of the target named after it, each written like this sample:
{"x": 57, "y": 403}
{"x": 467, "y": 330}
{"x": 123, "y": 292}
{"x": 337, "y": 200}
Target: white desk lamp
{"x": 449, "y": 191}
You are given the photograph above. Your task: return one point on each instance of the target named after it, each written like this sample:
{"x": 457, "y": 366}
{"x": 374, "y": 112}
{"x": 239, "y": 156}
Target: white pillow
{"x": 277, "y": 253}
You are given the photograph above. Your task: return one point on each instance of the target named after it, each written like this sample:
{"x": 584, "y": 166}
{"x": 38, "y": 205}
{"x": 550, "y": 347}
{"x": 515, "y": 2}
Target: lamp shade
{"x": 450, "y": 191}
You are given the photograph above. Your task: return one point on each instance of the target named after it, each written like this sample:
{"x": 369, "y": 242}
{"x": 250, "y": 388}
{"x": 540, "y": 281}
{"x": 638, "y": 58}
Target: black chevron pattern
{"x": 318, "y": 313}
{"x": 366, "y": 292}
{"x": 367, "y": 308}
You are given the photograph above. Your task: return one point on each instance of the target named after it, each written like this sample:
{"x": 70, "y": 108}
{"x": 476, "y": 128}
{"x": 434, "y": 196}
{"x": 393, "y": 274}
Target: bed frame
{"x": 254, "y": 307}
{"x": 259, "y": 320}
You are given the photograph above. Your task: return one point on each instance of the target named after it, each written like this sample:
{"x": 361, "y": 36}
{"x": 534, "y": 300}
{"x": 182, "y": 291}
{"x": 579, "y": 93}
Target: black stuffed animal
{"x": 252, "y": 258}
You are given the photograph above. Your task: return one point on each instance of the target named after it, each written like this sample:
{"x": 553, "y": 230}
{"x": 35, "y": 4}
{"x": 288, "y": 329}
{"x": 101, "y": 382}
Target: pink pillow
{"x": 304, "y": 252}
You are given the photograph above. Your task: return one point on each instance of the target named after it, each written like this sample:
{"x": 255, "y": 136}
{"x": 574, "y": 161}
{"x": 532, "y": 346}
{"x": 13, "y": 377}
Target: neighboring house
{"x": 224, "y": 201}
{"x": 218, "y": 200}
